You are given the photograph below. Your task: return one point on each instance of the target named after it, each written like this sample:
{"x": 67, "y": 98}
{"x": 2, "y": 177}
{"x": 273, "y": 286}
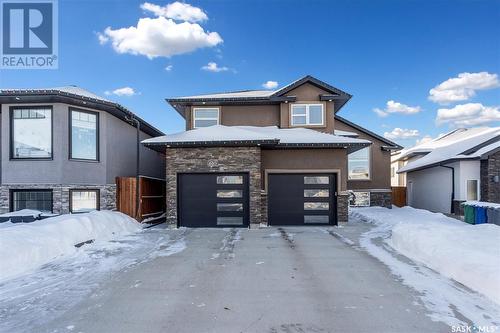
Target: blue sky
{"x": 378, "y": 51}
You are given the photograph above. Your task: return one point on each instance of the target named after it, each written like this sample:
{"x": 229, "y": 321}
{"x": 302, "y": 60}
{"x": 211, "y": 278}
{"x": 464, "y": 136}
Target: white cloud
{"x": 396, "y": 107}
{"x": 463, "y": 87}
{"x": 270, "y": 85}
{"x": 161, "y": 36}
{"x": 169, "y": 68}
{"x": 177, "y": 11}
{"x": 424, "y": 139}
{"x": 401, "y": 133}
{"x": 213, "y": 67}
{"x": 125, "y": 91}
{"x": 470, "y": 114}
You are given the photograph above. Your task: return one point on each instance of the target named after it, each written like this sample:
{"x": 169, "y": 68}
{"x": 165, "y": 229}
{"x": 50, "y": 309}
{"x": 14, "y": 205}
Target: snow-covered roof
{"x": 345, "y": 133}
{"x": 64, "y": 89}
{"x": 245, "y": 135}
{"x": 231, "y": 94}
{"x": 457, "y": 145}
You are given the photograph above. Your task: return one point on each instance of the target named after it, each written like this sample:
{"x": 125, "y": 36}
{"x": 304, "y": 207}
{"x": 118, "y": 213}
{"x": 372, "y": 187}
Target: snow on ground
{"x": 26, "y": 246}
{"x": 465, "y": 253}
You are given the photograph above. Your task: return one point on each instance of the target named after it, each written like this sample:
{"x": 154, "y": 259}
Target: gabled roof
{"x": 76, "y": 96}
{"x": 463, "y": 144}
{"x": 262, "y": 96}
{"x": 270, "y": 136}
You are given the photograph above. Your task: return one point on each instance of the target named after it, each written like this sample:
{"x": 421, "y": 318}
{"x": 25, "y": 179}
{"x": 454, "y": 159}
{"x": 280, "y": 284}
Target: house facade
{"x": 62, "y": 148}
{"x": 271, "y": 157}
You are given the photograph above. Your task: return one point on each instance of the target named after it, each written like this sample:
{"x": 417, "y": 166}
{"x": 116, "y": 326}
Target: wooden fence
{"x": 399, "y": 196}
{"x": 152, "y": 197}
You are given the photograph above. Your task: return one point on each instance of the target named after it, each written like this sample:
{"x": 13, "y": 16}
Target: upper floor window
{"x": 31, "y": 132}
{"x": 84, "y": 141}
{"x": 359, "y": 164}
{"x": 204, "y": 117}
{"x": 307, "y": 114}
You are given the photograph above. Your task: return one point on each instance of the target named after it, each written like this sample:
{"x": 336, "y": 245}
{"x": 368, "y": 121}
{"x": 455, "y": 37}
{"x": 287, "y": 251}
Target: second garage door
{"x": 302, "y": 199}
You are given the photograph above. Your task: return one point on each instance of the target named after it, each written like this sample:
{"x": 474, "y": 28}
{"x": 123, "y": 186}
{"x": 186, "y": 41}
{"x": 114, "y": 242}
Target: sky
{"x": 416, "y": 69}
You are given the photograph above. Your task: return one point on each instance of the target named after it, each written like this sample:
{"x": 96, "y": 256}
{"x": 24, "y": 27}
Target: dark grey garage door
{"x": 302, "y": 199}
{"x": 213, "y": 200}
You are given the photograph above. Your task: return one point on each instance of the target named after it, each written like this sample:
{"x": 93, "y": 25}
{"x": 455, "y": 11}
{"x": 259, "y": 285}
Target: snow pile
{"x": 482, "y": 204}
{"x": 23, "y": 212}
{"x": 465, "y": 253}
{"x": 24, "y": 247}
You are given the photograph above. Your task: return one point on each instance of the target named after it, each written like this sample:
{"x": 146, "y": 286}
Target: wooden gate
{"x": 152, "y": 197}
{"x": 399, "y": 196}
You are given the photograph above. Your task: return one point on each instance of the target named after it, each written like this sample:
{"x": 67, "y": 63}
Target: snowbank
{"x": 24, "y": 247}
{"x": 469, "y": 254}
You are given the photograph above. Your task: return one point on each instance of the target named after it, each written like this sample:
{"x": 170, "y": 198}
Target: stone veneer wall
{"x": 382, "y": 199}
{"x": 60, "y": 195}
{"x": 214, "y": 159}
{"x": 491, "y": 170}
{"x": 342, "y": 207}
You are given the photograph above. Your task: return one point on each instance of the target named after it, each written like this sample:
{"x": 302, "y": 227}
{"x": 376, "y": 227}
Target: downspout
{"x": 132, "y": 119}
{"x": 452, "y": 210}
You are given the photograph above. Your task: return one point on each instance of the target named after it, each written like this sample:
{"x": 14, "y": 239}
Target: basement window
{"x": 205, "y": 117}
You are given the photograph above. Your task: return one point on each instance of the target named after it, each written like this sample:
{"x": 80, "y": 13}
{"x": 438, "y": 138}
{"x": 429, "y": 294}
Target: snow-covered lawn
{"x": 27, "y": 246}
{"x": 469, "y": 254}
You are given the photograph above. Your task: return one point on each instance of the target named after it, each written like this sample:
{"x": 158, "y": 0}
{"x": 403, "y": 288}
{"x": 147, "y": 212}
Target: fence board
{"x": 399, "y": 196}
{"x": 152, "y": 197}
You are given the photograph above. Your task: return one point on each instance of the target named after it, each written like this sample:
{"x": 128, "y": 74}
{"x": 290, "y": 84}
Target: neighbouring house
{"x": 461, "y": 165}
{"x": 62, "y": 148}
{"x": 279, "y": 157}
{"x": 397, "y": 179}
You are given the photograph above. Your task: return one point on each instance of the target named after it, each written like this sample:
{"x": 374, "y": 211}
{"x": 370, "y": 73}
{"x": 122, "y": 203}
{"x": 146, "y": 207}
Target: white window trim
{"x": 307, "y": 105}
{"x": 369, "y": 168}
{"x": 209, "y": 108}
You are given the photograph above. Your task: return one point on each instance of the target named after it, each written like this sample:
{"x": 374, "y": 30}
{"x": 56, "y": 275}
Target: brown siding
{"x": 250, "y": 115}
{"x": 380, "y": 162}
{"x": 305, "y": 159}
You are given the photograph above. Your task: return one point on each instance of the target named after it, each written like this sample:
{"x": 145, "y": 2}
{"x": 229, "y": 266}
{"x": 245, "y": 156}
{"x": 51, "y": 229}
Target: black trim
{"x": 364, "y": 130}
{"x": 11, "y": 133}
{"x": 481, "y": 145}
{"x": 12, "y": 190}
{"x": 70, "y": 135}
{"x": 98, "y": 197}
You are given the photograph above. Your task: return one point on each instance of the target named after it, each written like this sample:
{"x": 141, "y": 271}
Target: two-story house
{"x": 61, "y": 149}
{"x": 271, "y": 157}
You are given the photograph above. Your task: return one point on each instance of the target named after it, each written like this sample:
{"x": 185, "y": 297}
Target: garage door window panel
{"x": 316, "y": 206}
{"x": 316, "y": 193}
{"x": 316, "y": 219}
{"x": 226, "y": 194}
{"x": 229, "y": 220}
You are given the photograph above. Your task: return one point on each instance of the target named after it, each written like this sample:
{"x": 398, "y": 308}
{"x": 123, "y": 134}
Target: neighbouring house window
{"x": 84, "y": 142}
{"x": 472, "y": 189}
{"x": 31, "y": 132}
{"x": 359, "y": 199}
{"x": 307, "y": 114}
{"x": 83, "y": 201}
{"x": 204, "y": 117}
{"x": 31, "y": 199}
{"x": 359, "y": 164}
{"x": 393, "y": 171}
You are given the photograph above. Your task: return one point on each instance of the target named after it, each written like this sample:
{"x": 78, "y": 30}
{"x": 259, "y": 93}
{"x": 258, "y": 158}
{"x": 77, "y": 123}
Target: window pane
{"x": 472, "y": 190}
{"x": 204, "y": 123}
{"x": 83, "y": 135}
{"x": 316, "y": 219}
{"x": 229, "y": 193}
{"x": 229, "y": 207}
{"x": 359, "y": 164}
{"x": 37, "y": 200}
{"x": 316, "y": 180}
{"x": 230, "y": 220}
{"x": 299, "y": 110}
{"x": 83, "y": 201}
{"x": 206, "y": 113}
{"x": 298, "y": 120}
{"x": 32, "y": 134}
{"x": 316, "y": 206}
{"x": 229, "y": 179}
{"x": 323, "y": 193}
{"x": 359, "y": 199}
{"x": 315, "y": 114}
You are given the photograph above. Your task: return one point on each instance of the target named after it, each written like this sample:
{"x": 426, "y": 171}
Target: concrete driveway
{"x": 287, "y": 279}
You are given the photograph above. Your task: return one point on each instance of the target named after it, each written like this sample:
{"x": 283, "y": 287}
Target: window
{"x": 307, "y": 114}
{"x": 31, "y": 132}
{"x": 325, "y": 219}
{"x": 229, "y": 179}
{"x": 84, "y": 141}
{"x": 359, "y": 199}
{"x": 316, "y": 180}
{"x": 204, "y": 117}
{"x": 31, "y": 199}
{"x": 321, "y": 193}
{"x": 472, "y": 189}
{"x": 359, "y": 164}
{"x": 229, "y": 207}
{"x": 84, "y": 201}
{"x": 229, "y": 220}
{"x": 229, "y": 193}
{"x": 316, "y": 206}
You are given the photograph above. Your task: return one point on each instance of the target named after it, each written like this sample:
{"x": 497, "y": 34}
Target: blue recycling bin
{"x": 493, "y": 215}
{"x": 480, "y": 215}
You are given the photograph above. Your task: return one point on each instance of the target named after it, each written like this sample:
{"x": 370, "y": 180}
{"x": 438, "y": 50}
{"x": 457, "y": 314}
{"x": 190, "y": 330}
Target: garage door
{"x": 213, "y": 200}
{"x": 302, "y": 199}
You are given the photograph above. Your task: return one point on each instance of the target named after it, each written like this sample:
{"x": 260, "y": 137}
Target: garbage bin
{"x": 469, "y": 214}
{"x": 480, "y": 215}
{"x": 493, "y": 215}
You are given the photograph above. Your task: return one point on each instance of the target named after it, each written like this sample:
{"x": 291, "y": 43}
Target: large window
{"x": 359, "y": 164}
{"x": 204, "y": 117}
{"x": 31, "y": 199}
{"x": 307, "y": 114}
{"x": 84, "y": 140}
{"x": 84, "y": 201}
{"x": 31, "y": 132}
